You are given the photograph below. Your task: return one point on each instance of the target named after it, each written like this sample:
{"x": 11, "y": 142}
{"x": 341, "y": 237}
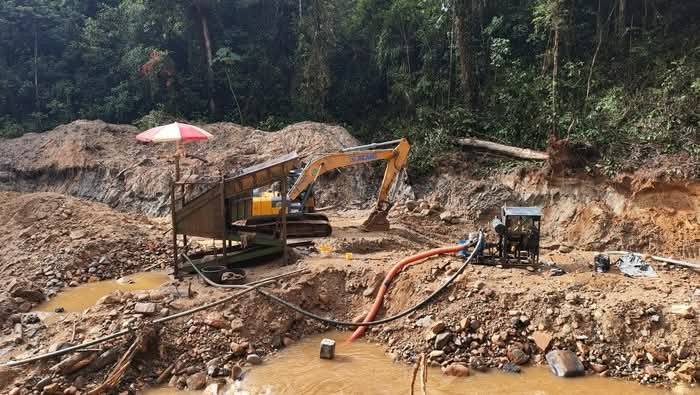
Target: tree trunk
{"x": 36, "y": 67}
{"x": 210, "y": 57}
{"x": 509, "y": 150}
{"x": 465, "y": 61}
{"x": 620, "y": 25}
{"x": 599, "y": 35}
{"x": 555, "y": 69}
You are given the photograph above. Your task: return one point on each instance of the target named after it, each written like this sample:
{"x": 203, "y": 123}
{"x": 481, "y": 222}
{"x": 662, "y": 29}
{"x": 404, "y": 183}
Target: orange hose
{"x": 409, "y": 260}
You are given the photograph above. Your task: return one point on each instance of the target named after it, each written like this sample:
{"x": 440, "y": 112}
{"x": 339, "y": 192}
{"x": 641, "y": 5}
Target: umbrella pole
{"x": 179, "y": 152}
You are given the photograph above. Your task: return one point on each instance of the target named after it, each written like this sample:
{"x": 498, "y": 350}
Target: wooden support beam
{"x": 174, "y": 219}
{"x": 517, "y": 152}
{"x": 283, "y": 210}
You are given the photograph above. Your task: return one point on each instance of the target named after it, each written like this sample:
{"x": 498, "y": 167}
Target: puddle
{"x": 86, "y": 295}
{"x": 364, "y": 368}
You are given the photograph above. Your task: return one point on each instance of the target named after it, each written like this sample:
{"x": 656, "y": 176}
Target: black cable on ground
{"x": 347, "y": 323}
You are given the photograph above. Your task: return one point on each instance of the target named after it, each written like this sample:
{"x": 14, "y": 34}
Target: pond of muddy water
{"x": 86, "y": 295}
{"x": 364, "y": 368}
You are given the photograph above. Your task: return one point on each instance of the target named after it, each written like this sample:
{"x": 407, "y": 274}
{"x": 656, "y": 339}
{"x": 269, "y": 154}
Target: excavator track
{"x": 298, "y": 225}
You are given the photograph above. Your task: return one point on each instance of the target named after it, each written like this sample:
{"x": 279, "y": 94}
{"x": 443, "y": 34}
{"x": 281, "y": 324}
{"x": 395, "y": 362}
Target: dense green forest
{"x": 613, "y": 74}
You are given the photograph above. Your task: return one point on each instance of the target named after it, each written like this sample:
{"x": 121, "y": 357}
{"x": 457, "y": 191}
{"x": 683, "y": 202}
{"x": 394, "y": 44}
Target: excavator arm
{"x": 396, "y": 160}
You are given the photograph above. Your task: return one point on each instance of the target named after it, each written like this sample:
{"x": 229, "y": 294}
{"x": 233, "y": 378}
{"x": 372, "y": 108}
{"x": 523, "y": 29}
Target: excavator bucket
{"x": 377, "y": 220}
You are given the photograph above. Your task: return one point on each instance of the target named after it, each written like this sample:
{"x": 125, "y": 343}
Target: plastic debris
{"x": 634, "y": 266}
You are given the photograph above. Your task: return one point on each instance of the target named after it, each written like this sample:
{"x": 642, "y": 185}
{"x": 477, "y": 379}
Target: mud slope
{"x": 641, "y": 211}
{"x": 103, "y": 162}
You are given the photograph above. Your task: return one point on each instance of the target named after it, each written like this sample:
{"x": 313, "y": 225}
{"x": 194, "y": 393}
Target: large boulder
{"x": 565, "y": 363}
{"x": 21, "y": 288}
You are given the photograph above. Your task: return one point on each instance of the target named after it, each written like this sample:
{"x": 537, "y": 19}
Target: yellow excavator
{"x": 302, "y": 221}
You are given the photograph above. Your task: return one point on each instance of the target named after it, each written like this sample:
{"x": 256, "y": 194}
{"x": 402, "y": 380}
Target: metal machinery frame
{"x": 518, "y": 230}
{"x": 221, "y": 204}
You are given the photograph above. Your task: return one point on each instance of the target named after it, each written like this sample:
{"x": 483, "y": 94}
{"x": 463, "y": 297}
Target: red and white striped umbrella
{"x": 175, "y": 131}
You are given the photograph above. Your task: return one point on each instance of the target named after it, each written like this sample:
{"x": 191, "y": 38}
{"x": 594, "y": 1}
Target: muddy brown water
{"x": 364, "y": 368}
{"x": 86, "y": 295}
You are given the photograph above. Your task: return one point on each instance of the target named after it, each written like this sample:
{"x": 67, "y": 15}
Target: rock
{"x": 478, "y": 364}
{"x": 197, "y": 381}
{"x": 238, "y": 349}
{"x": 687, "y": 368}
{"x": 464, "y": 324}
{"x": 15, "y": 391}
{"x": 77, "y": 234}
{"x": 456, "y": 369}
{"x": 21, "y": 288}
{"x": 147, "y": 309}
{"x": 216, "y": 320}
{"x": 510, "y": 368}
{"x": 72, "y": 390}
{"x": 108, "y": 357}
{"x": 54, "y": 388}
{"x": 125, "y": 280}
{"x": 253, "y": 359}
{"x": 374, "y": 285}
{"x": 542, "y": 339}
{"x": 411, "y": 205}
{"x": 656, "y": 354}
{"x": 517, "y": 355}
{"x": 212, "y": 389}
{"x": 236, "y": 372}
{"x": 442, "y": 339}
{"x": 571, "y": 298}
{"x": 237, "y": 324}
{"x": 323, "y": 298}
{"x": 598, "y": 367}
{"x": 683, "y": 351}
{"x": 113, "y": 298}
{"x": 327, "y": 349}
{"x": 437, "y": 327}
{"x": 650, "y": 370}
{"x": 425, "y": 322}
{"x": 582, "y": 348}
{"x": 683, "y": 310}
{"x": 43, "y": 383}
{"x": 435, "y": 354}
{"x": 448, "y": 217}
{"x": 564, "y": 363}
{"x": 565, "y": 249}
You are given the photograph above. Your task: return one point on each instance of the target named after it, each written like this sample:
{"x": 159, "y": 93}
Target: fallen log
{"x": 524, "y": 153}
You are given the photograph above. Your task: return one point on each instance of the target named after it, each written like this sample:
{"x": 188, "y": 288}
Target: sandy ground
{"x": 619, "y": 323}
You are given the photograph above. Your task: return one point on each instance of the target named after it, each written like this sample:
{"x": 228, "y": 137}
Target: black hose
{"x": 347, "y": 323}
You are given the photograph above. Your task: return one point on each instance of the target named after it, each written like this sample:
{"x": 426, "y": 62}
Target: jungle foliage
{"x": 614, "y": 74}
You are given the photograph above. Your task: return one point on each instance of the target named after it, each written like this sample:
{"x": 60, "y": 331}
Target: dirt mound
{"x": 654, "y": 212}
{"x": 55, "y": 240}
{"x": 103, "y": 162}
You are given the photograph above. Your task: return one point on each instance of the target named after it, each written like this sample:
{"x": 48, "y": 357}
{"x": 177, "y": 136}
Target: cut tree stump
{"x": 524, "y": 153}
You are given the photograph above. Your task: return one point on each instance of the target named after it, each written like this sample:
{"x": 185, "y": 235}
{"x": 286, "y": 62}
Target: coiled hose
{"x": 367, "y": 322}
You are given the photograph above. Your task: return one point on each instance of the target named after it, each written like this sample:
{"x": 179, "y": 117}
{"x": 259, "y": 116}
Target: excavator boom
{"x": 396, "y": 160}
{"x": 306, "y": 223}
